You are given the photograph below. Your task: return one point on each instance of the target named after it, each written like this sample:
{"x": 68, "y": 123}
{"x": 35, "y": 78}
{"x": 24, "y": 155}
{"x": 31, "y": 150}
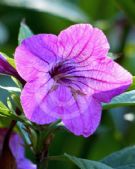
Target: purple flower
{"x": 17, "y": 150}
{"x": 68, "y": 76}
{"x": 6, "y": 68}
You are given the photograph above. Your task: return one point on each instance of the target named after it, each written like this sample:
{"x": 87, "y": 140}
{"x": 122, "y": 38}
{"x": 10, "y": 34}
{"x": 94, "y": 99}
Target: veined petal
{"x": 102, "y": 78}
{"x": 46, "y": 104}
{"x": 68, "y": 77}
{"x": 36, "y": 54}
{"x": 87, "y": 121}
{"x": 108, "y": 79}
{"x": 33, "y": 96}
{"x": 81, "y": 42}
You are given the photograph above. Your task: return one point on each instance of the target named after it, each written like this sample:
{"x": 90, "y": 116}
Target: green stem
{"x": 42, "y": 151}
{"x": 42, "y": 164}
{"x": 44, "y": 139}
{"x": 57, "y": 158}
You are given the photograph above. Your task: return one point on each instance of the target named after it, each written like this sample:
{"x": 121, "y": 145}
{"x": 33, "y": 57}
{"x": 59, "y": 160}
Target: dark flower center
{"x": 62, "y": 71}
{"x": 66, "y": 73}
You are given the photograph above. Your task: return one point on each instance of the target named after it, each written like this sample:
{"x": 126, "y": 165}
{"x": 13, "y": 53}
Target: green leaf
{"x": 16, "y": 101}
{"x": 5, "y": 112}
{"x": 125, "y": 99}
{"x": 24, "y": 32}
{"x": 87, "y": 164}
{"x": 3, "y": 108}
{"x": 130, "y": 166}
{"x": 9, "y": 60}
{"x": 132, "y": 87}
{"x": 4, "y": 122}
{"x": 23, "y": 132}
{"x": 60, "y": 8}
{"x": 11, "y": 89}
{"x": 17, "y": 82}
{"x": 123, "y": 159}
{"x": 5, "y": 81}
{"x": 10, "y": 105}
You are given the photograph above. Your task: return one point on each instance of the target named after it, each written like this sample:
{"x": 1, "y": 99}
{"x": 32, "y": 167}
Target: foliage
{"x": 117, "y": 19}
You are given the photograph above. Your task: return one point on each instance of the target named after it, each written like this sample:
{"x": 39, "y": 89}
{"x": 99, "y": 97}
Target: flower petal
{"x": 45, "y": 103}
{"x": 87, "y": 121}
{"x": 102, "y": 78}
{"x": 6, "y": 68}
{"x": 64, "y": 105}
{"x": 44, "y": 107}
{"x": 17, "y": 149}
{"x": 35, "y": 55}
{"x": 108, "y": 79}
{"x": 33, "y": 96}
{"x": 16, "y": 146}
{"x": 81, "y": 42}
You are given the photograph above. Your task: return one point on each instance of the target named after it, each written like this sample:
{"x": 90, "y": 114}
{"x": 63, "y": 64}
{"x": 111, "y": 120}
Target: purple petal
{"x": 33, "y": 95}
{"x": 43, "y": 107}
{"x": 45, "y": 103}
{"x": 68, "y": 76}
{"x": 108, "y": 79}
{"x": 87, "y": 121}
{"x": 102, "y": 78}
{"x": 17, "y": 149}
{"x": 35, "y": 55}
{"x": 81, "y": 42}
{"x": 24, "y": 163}
{"x": 16, "y": 146}
{"x": 6, "y": 68}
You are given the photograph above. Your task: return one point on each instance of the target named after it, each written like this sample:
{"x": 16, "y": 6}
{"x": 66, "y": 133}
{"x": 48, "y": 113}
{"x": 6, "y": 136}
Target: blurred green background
{"x": 116, "y": 18}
